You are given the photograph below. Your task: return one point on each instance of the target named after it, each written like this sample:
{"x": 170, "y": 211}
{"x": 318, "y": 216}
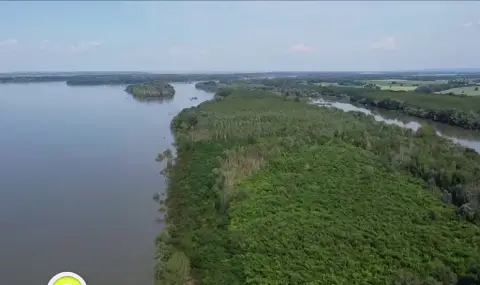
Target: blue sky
{"x": 181, "y": 36}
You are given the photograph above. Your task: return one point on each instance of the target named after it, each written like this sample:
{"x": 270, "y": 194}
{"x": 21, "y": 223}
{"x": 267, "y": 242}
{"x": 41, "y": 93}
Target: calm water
{"x": 77, "y": 174}
{"x": 462, "y": 136}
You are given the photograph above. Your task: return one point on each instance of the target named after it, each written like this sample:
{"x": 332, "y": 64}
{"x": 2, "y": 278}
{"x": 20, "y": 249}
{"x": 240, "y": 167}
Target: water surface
{"x": 468, "y": 138}
{"x": 77, "y": 174}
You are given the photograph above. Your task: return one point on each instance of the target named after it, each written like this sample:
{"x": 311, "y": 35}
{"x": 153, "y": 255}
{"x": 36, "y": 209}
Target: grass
{"x": 430, "y": 101}
{"x": 405, "y": 82}
{"x": 469, "y": 91}
{"x": 386, "y": 84}
{"x": 402, "y": 84}
{"x": 397, "y": 87}
{"x": 336, "y": 84}
{"x": 266, "y": 190}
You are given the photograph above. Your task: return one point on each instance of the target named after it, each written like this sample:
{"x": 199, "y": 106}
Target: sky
{"x": 240, "y": 36}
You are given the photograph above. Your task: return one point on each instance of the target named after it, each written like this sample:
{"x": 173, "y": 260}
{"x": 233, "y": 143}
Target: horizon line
{"x": 471, "y": 69}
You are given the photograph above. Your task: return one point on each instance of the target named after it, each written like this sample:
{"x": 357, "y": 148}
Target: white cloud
{"x": 387, "y": 43}
{"x": 8, "y": 43}
{"x": 301, "y": 48}
{"x": 467, "y": 25}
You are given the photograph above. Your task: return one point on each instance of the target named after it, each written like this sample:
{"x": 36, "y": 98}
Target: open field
{"x": 324, "y": 84}
{"x": 469, "y": 91}
{"x": 397, "y": 87}
{"x": 406, "y": 82}
{"x": 391, "y": 84}
{"x": 429, "y": 101}
{"x": 402, "y": 84}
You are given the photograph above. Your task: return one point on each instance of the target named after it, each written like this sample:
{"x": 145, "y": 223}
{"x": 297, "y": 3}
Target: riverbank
{"x": 259, "y": 178}
{"x": 461, "y": 111}
{"x": 464, "y": 137}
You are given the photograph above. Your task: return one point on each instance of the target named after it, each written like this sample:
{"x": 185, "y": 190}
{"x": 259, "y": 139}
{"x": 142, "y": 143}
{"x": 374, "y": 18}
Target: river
{"x": 464, "y": 137}
{"x": 77, "y": 175}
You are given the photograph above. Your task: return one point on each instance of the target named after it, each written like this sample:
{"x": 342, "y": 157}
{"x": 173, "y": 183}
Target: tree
{"x": 476, "y": 88}
{"x": 224, "y": 92}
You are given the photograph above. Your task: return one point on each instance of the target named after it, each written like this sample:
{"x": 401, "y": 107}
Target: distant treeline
{"x": 132, "y": 78}
{"x": 125, "y": 79}
{"x": 32, "y": 79}
{"x": 111, "y": 80}
{"x": 438, "y": 87}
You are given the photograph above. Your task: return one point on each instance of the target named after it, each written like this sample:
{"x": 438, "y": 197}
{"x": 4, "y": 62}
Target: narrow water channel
{"x": 77, "y": 175}
{"x": 464, "y": 137}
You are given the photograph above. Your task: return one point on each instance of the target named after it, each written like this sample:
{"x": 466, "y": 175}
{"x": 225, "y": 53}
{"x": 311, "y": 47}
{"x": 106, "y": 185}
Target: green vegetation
{"x": 462, "y": 111}
{"x": 270, "y": 190}
{"x": 402, "y": 84}
{"x": 468, "y": 91}
{"x": 121, "y": 79}
{"x": 208, "y": 86}
{"x": 151, "y": 89}
{"x": 450, "y": 84}
{"x": 420, "y": 84}
{"x": 455, "y": 110}
{"x": 398, "y": 87}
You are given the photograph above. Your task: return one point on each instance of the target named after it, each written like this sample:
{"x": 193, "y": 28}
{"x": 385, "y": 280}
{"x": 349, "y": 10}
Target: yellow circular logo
{"x": 67, "y": 278}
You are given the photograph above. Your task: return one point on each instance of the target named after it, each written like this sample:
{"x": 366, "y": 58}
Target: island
{"x": 208, "y": 86}
{"x": 152, "y": 89}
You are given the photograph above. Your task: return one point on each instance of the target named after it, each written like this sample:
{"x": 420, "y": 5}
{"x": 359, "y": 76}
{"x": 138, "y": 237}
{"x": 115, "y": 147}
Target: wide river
{"x": 77, "y": 175}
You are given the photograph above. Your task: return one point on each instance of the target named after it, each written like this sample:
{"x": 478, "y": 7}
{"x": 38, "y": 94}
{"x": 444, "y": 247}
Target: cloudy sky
{"x": 179, "y": 36}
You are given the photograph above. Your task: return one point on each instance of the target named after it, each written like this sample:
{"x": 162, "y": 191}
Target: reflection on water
{"x": 462, "y": 136}
{"x": 152, "y": 100}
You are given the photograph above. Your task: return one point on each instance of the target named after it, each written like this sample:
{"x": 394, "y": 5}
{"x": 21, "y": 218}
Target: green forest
{"x": 155, "y": 89}
{"x": 208, "y": 86}
{"x": 268, "y": 189}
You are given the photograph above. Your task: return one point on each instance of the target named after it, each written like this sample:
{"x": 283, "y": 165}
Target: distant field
{"x": 469, "y": 91}
{"x": 380, "y": 82}
{"x": 326, "y": 84}
{"x": 335, "y": 84}
{"x": 402, "y": 84}
{"x": 430, "y": 101}
{"x": 397, "y": 87}
{"x": 409, "y": 85}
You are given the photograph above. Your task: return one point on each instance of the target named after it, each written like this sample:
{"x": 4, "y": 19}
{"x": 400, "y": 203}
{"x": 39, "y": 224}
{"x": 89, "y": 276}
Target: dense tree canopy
{"x": 151, "y": 89}
{"x": 270, "y": 190}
